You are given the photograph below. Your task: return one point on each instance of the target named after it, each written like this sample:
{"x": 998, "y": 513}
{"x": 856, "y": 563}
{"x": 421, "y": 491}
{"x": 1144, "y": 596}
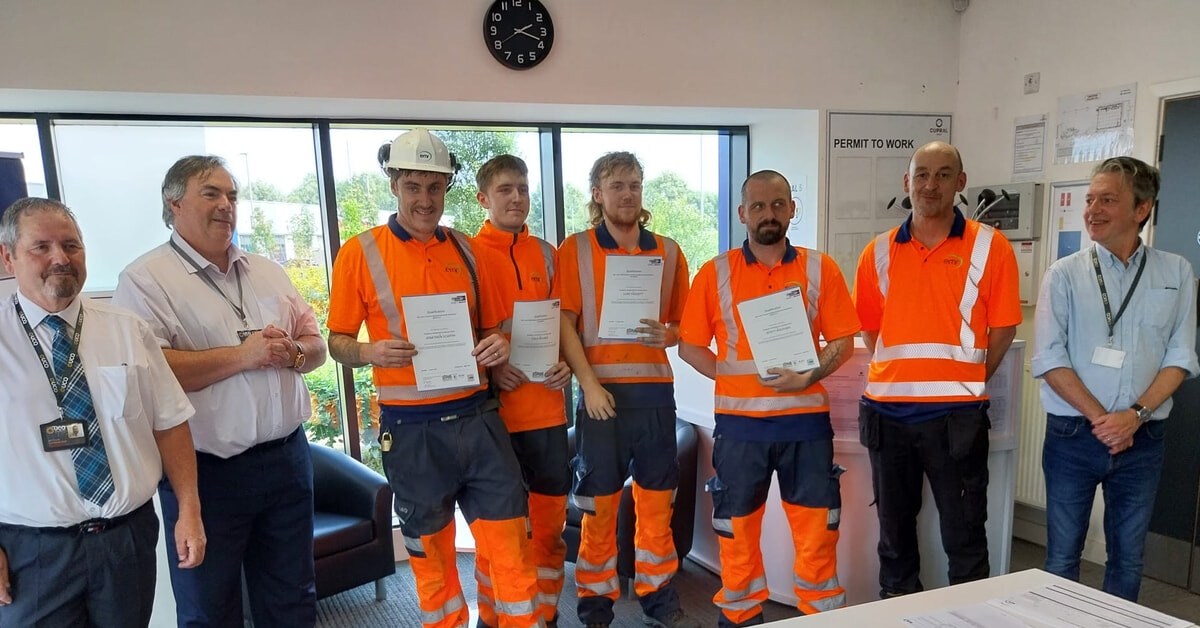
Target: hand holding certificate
{"x": 535, "y": 335}
{"x": 439, "y": 325}
{"x": 777, "y": 328}
{"x": 632, "y": 291}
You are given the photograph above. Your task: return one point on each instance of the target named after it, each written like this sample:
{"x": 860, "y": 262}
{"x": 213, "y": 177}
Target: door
{"x": 1173, "y": 545}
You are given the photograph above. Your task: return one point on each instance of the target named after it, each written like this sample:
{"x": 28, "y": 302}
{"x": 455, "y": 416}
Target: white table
{"x": 888, "y": 612}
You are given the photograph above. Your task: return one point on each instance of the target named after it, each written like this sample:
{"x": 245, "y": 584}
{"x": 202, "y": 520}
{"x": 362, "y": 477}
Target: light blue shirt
{"x": 1157, "y": 330}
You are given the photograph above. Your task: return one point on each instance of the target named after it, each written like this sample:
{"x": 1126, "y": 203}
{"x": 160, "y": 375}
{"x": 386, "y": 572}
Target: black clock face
{"x": 518, "y": 32}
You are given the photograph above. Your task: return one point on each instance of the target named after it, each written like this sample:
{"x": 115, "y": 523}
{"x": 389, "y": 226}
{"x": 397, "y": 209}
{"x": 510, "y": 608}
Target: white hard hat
{"x": 417, "y": 149}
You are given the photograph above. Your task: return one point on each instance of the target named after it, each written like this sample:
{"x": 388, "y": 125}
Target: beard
{"x": 768, "y": 233}
{"x": 62, "y": 281}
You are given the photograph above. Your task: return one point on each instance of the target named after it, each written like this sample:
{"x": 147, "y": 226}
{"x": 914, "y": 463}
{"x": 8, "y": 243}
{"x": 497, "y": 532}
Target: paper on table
{"x": 982, "y": 615}
{"x": 632, "y": 288}
{"x": 535, "y": 334}
{"x": 776, "y": 326}
{"x": 1073, "y": 605}
{"x": 439, "y": 325}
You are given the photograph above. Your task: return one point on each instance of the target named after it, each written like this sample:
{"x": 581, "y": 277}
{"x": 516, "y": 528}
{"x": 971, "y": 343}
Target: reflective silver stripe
{"x": 767, "y": 404}
{"x": 516, "y": 609}
{"x": 646, "y": 556}
{"x": 671, "y": 258}
{"x": 813, "y": 271}
{"x": 584, "y": 565}
{"x": 725, "y": 299}
{"x": 655, "y": 581}
{"x": 828, "y": 585}
{"x": 740, "y": 605}
{"x": 883, "y": 259}
{"x": 414, "y": 545}
{"x": 723, "y": 525}
{"x": 731, "y": 596}
{"x": 631, "y": 369}
{"x": 830, "y": 603}
{"x": 924, "y": 389}
{"x": 584, "y": 503}
{"x": 449, "y": 608}
{"x": 548, "y": 260}
{"x": 410, "y": 393}
{"x": 979, "y": 256}
{"x": 599, "y": 588}
{"x": 383, "y": 285}
{"x": 834, "y": 517}
{"x": 544, "y": 573}
{"x": 736, "y": 367}
{"x": 482, "y": 599}
{"x": 547, "y": 599}
{"x": 483, "y": 579}
{"x": 932, "y": 350}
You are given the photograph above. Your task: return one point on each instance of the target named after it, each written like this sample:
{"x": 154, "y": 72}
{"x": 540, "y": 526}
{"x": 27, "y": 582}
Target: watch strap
{"x": 1143, "y": 413}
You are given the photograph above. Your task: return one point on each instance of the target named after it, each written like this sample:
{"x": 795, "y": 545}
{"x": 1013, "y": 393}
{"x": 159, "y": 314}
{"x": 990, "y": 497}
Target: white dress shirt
{"x": 187, "y": 314}
{"x": 133, "y": 390}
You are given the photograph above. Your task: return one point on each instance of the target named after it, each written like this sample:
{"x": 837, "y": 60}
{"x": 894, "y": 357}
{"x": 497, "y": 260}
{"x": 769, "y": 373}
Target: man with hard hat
{"x": 440, "y": 445}
{"x": 531, "y": 403}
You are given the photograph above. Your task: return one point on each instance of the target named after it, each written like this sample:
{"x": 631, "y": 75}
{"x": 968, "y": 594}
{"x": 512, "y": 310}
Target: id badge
{"x": 1108, "y": 356}
{"x": 243, "y": 334}
{"x": 63, "y": 434}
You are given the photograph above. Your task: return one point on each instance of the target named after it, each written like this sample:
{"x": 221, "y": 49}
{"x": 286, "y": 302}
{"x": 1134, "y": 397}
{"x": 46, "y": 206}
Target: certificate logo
{"x": 793, "y": 293}
{"x": 657, "y": 261}
{"x": 458, "y": 298}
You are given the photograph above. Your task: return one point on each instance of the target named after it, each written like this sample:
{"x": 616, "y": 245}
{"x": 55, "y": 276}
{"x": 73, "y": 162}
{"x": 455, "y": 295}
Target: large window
{"x": 679, "y": 187}
{"x": 110, "y": 170}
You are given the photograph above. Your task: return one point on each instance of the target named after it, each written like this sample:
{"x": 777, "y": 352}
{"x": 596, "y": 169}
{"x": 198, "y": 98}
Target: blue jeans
{"x": 1075, "y": 462}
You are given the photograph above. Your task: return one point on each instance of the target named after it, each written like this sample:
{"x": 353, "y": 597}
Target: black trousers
{"x": 952, "y": 451}
{"x": 102, "y": 579}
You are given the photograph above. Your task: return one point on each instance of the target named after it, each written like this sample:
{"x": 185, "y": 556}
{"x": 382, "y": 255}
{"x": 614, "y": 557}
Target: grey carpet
{"x": 358, "y": 608}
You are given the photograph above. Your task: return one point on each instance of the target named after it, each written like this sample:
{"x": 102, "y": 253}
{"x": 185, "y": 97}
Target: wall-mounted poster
{"x": 1067, "y": 233}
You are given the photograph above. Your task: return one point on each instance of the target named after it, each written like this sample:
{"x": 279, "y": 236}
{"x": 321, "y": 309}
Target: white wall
{"x": 1077, "y": 46}
{"x": 791, "y": 54}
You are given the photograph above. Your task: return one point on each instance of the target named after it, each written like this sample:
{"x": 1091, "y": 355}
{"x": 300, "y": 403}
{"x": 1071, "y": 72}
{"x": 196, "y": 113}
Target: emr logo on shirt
{"x": 453, "y": 268}
{"x": 953, "y": 260}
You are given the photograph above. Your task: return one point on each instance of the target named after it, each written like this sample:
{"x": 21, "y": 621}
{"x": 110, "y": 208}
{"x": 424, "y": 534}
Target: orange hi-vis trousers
{"x": 438, "y": 587}
{"x": 655, "y": 560}
{"x": 547, "y": 516}
{"x": 808, "y": 476}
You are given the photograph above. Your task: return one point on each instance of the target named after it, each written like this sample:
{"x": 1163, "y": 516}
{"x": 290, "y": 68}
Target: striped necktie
{"x": 91, "y": 461}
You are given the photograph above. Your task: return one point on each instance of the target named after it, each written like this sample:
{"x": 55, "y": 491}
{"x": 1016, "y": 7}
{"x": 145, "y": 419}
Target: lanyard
{"x": 239, "y": 307}
{"x": 1108, "y": 315}
{"x": 57, "y": 385}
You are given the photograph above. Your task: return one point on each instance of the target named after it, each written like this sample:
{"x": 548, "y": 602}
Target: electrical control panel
{"x": 1015, "y": 209}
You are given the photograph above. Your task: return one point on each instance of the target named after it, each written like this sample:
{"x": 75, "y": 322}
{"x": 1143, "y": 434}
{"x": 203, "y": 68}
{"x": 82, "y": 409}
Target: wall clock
{"x": 518, "y": 33}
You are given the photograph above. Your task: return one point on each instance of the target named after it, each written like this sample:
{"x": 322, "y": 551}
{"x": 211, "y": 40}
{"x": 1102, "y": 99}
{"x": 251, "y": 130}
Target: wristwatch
{"x": 298, "y": 363}
{"x": 1143, "y": 413}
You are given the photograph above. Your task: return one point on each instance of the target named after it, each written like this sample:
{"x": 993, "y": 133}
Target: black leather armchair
{"x": 682, "y": 521}
{"x": 352, "y": 524}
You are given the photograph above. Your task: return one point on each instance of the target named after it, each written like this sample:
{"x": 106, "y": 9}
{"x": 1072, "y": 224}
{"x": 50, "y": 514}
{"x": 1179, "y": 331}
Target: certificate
{"x": 632, "y": 289}
{"x": 439, "y": 325}
{"x": 535, "y": 333}
{"x": 777, "y": 327}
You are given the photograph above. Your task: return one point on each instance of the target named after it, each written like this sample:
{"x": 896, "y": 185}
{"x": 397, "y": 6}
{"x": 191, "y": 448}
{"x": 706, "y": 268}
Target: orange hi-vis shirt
{"x": 376, "y": 268}
{"x": 933, "y": 309}
{"x": 526, "y": 275}
{"x": 581, "y": 271}
{"x": 736, "y": 276}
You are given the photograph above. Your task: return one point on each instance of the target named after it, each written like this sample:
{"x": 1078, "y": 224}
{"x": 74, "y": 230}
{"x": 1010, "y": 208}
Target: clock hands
{"x": 522, "y": 32}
